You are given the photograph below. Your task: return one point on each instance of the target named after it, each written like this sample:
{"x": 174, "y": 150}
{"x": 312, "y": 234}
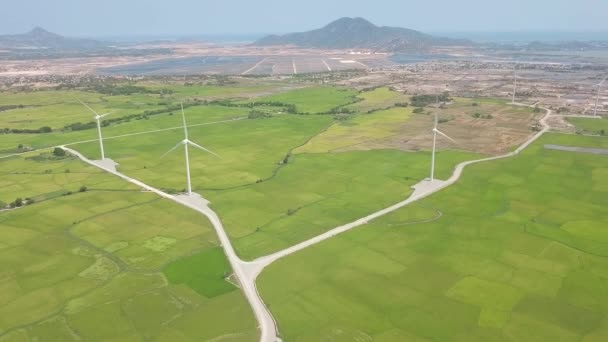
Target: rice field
{"x": 78, "y": 258}
{"x": 514, "y": 251}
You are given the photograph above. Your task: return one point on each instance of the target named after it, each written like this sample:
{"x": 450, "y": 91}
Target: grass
{"x": 203, "y": 272}
{"x": 40, "y": 176}
{"x": 59, "y": 108}
{"x": 69, "y": 262}
{"x": 314, "y": 100}
{"x": 250, "y": 150}
{"x": 379, "y": 98}
{"x": 293, "y": 201}
{"x": 514, "y": 256}
{"x": 363, "y": 128}
{"x": 197, "y": 115}
{"x": 590, "y": 126}
{"x": 240, "y": 90}
{"x": 316, "y": 192}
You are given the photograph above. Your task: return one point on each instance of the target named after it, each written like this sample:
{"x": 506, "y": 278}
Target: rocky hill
{"x": 39, "y": 38}
{"x": 358, "y": 33}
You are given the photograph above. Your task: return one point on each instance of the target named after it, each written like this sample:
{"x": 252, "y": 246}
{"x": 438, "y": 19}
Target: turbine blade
{"x": 202, "y": 148}
{"x": 104, "y": 115}
{"x": 89, "y": 108}
{"x": 445, "y": 136}
{"x": 436, "y": 120}
{"x": 184, "y": 121}
{"x": 173, "y": 149}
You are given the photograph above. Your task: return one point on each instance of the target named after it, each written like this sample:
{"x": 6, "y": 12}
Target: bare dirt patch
{"x": 507, "y": 127}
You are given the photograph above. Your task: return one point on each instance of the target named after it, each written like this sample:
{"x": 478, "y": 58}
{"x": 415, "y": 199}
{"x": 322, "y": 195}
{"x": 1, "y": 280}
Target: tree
{"x": 83, "y": 189}
{"x": 58, "y": 152}
{"x": 18, "y": 202}
{"x": 20, "y": 146}
{"x": 45, "y": 129}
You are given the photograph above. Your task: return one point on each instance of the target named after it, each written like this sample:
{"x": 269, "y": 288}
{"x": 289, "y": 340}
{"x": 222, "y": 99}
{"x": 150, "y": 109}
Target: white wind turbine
{"x": 185, "y": 143}
{"x": 435, "y": 132}
{"x": 597, "y": 98}
{"x": 98, "y": 118}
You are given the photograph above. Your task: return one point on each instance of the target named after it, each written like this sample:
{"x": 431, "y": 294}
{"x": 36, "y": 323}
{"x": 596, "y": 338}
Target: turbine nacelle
{"x": 101, "y": 116}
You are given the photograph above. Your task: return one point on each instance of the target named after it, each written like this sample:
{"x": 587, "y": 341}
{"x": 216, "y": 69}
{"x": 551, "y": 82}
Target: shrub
{"x": 82, "y": 189}
{"x": 418, "y": 110}
{"x": 257, "y": 114}
{"x": 58, "y": 152}
{"x": 17, "y": 203}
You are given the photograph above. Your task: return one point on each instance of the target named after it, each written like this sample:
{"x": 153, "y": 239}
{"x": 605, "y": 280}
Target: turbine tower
{"x": 185, "y": 143}
{"x": 597, "y": 98}
{"x": 435, "y": 132}
{"x": 98, "y": 118}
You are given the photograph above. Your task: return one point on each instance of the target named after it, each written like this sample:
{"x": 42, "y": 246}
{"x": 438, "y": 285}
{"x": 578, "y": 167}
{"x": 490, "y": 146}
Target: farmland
{"x": 75, "y": 258}
{"x": 500, "y": 255}
{"x": 314, "y": 100}
{"x": 590, "y": 126}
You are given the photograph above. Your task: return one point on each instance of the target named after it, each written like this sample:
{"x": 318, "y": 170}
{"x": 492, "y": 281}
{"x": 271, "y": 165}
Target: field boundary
{"x": 259, "y": 264}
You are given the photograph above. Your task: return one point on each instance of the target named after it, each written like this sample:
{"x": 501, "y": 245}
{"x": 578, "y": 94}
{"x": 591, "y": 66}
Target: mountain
{"x": 39, "y": 38}
{"x": 358, "y": 33}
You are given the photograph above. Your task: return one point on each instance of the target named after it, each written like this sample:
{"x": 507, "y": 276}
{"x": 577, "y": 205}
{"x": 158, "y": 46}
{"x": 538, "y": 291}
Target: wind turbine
{"x": 435, "y": 132}
{"x": 98, "y": 119}
{"x": 185, "y": 143}
{"x": 597, "y": 98}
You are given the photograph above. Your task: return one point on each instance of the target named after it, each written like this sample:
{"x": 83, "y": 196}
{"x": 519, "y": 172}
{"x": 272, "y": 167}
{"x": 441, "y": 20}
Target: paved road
{"x": 266, "y": 323}
{"x": 247, "y": 272}
{"x": 423, "y": 189}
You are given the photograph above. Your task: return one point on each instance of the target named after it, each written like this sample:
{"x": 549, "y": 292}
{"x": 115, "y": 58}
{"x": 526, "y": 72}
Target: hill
{"x": 358, "y": 33}
{"x": 39, "y": 38}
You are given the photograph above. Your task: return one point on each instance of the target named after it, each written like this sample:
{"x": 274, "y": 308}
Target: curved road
{"x": 247, "y": 272}
{"x": 195, "y": 202}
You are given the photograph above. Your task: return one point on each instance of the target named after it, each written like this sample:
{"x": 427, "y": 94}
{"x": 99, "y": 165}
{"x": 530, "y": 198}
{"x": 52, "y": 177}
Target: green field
{"x": 249, "y": 150}
{"x": 241, "y": 89}
{"x": 362, "y": 128}
{"x": 590, "y": 126}
{"x": 56, "y": 109}
{"x": 293, "y": 201}
{"x": 71, "y": 261}
{"x": 314, "y": 99}
{"x": 317, "y": 192}
{"x": 516, "y": 250}
{"x": 379, "y": 98}
{"x": 197, "y": 115}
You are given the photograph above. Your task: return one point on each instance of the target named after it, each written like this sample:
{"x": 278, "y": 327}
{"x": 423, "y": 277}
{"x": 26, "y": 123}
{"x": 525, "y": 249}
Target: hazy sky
{"x": 175, "y": 17}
